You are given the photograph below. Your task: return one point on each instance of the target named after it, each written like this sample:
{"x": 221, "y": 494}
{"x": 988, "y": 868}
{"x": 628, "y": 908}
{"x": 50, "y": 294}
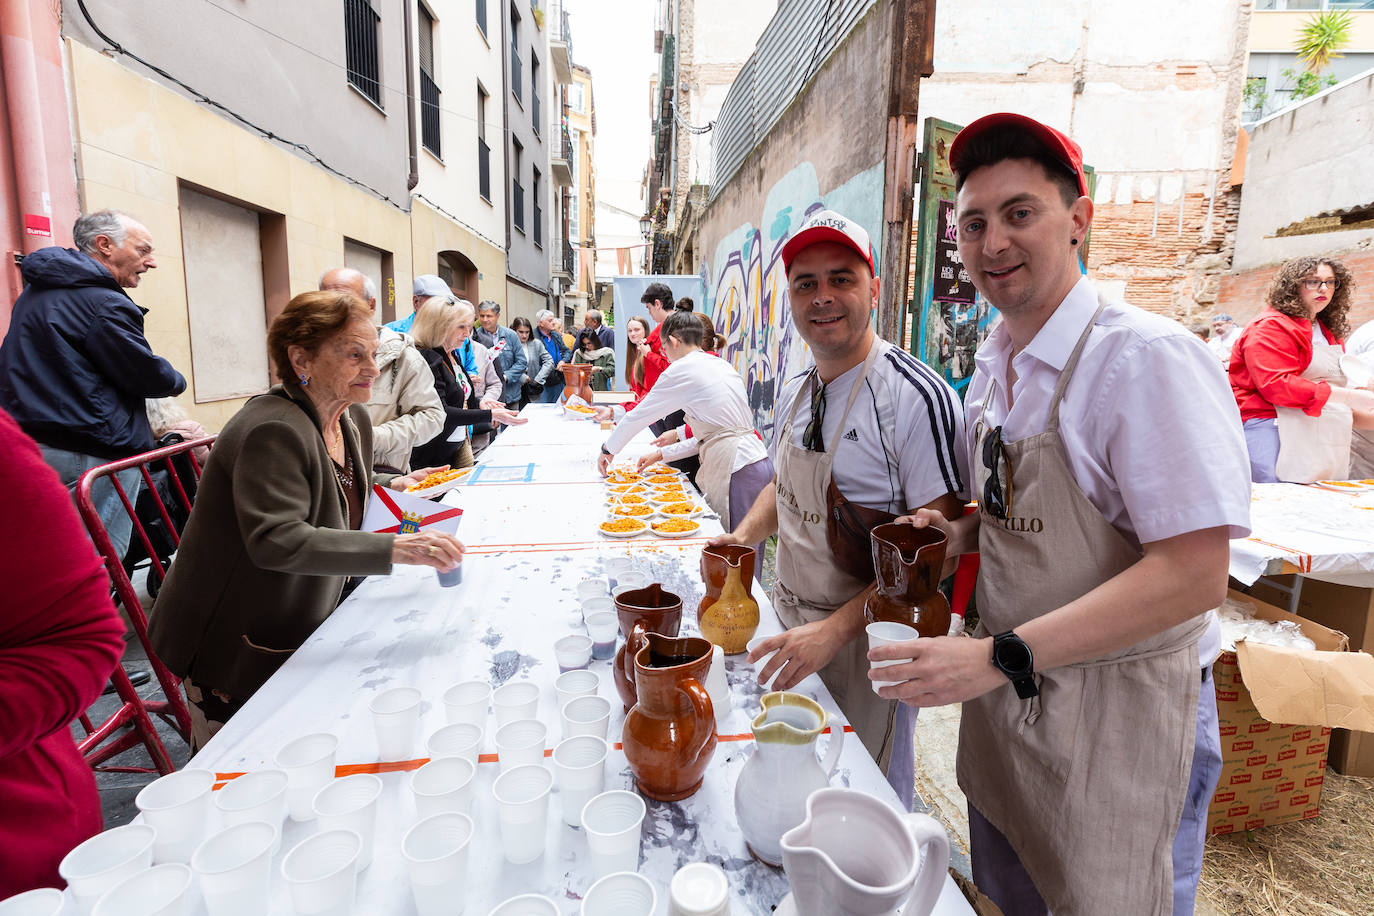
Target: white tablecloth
{"x": 530, "y": 544}
{"x": 1320, "y": 533}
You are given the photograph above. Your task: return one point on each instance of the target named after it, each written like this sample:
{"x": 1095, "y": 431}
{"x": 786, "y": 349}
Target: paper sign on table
{"x": 393, "y": 512}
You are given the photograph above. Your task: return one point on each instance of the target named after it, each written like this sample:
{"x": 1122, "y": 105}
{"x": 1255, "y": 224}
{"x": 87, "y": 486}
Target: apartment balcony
{"x": 560, "y": 42}
{"x": 564, "y": 261}
{"x": 560, "y": 157}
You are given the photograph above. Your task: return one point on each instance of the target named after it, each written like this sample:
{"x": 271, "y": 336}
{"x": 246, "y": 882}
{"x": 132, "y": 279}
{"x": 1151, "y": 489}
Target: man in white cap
{"x": 1111, "y": 474}
{"x": 425, "y": 285}
{"x": 883, "y": 429}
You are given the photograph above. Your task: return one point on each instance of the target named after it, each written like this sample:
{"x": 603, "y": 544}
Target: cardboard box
{"x": 1271, "y": 773}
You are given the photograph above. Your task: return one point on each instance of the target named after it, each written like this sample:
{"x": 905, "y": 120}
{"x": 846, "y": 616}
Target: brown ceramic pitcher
{"x": 908, "y": 562}
{"x": 670, "y": 734}
{"x": 655, "y": 611}
{"x": 577, "y": 380}
{"x": 728, "y": 614}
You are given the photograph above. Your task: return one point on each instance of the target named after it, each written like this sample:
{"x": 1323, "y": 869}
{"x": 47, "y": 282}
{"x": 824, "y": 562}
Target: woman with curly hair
{"x": 1286, "y": 376}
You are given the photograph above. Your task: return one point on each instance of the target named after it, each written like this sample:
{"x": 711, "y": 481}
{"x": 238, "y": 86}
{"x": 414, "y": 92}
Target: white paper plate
{"x": 1344, "y": 486}
{"x": 625, "y": 534}
{"x": 675, "y": 534}
{"x": 440, "y": 488}
{"x": 697, "y": 511}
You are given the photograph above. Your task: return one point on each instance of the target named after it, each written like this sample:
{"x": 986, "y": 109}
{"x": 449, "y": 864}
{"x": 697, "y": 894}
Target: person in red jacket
{"x": 1285, "y": 371}
{"x": 59, "y": 640}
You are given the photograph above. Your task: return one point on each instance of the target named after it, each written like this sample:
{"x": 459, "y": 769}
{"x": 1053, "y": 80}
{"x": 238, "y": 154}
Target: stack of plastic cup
{"x": 699, "y": 889}
{"x": 598, "y": 605}
{"x": 322, "y": 872}
{"x": 573, "y": 684}
{"x": 595, "y": 587}
{"x": 351, "y": 804}
{"x": 163, "y": 890}
{"x": 620, "y": 894}
{"x": 396, "y": 718}
{"x": 178, "y": 807}
{"x": 581, "y": 766}
{"x": 234, "y": 868}
{"x": 612, "y": 822}
{"x": 516, "y": 700}
{"x": 617, "y": 567}
{"x": 45, "y": 901}
{"x": 443, "y": 786}
{"x": 104, "y": 860}
{"x": 603, "y": 627}
{"x": 436, "y": 854}
{"x": 521, "y": 743}
{"x": 461, "y": 740}
{"x": 884, "y": 633}
{"x": 308, "y": 763}
{"x": 467, "y": 703}
{"x": 258, "y": 796}
{"x": 586, "y": 716}
{"x": 522, "y": 802}
{"x": 526, "y": 905}
{"x": 629, "y": 581}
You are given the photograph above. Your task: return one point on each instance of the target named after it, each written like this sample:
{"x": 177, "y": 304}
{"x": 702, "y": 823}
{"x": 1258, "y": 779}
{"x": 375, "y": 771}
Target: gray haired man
{"x": 505, "y": 348}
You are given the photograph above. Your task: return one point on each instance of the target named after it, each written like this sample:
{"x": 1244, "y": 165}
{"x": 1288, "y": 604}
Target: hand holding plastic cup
{"x": 516, "y": 700}
{"x": 602, "y": 627}
{"x": 885, "y": 633}
{"x": 612, "y": 822}
{"x": 43, "y": 901}
{"x": 350, "y": 804}
{"x": 468, "y": 702}
{"x": 396, "y": 717}
{"x": 580, "y": 764}
{"x": 521, "y": 743}
{"x": 461, "y": 740}
{"x": 163, "y": 890}
{"x": 522, "y": 802}
{"x": 322, "y": 872}
{"x": 308, "y": 763}
{"x": 762, "y": 662}
{"x": 234, "y": 868}
{"x": 106, "y": 859}
{"x": 443, "y": 786}
{"x": 620, "y": 894}
{"x": 586, "y": 716}
{"x": 450, "y": 578}
{"x": 436, "y": 854}
{"x": 178, "y": 807}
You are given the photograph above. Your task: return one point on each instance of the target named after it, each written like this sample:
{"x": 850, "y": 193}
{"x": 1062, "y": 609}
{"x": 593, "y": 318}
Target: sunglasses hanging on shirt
{"x": 996, "y": 497}
{"x": 813, "y": 439}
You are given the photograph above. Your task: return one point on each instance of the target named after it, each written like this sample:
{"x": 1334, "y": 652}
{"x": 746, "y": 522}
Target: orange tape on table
{"x": 402, "y": 766}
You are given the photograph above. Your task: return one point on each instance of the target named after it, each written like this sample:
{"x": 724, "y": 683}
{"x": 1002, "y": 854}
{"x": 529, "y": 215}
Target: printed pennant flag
{"x": 393, "y": 512}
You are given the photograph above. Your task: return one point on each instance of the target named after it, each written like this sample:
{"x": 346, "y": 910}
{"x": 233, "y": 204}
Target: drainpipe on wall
{"x": 413, "y": 178}
{"x": 25, "y": 125}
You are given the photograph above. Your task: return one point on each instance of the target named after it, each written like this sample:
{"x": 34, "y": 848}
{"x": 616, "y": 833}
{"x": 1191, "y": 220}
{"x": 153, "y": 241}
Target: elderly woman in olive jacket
{"x": 273, "y": 534}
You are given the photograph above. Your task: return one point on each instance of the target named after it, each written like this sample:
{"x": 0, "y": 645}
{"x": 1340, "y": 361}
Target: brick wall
{"x": 1242, "y": 294}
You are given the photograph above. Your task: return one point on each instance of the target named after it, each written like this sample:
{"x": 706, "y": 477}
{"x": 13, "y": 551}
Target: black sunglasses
{"x": 812, "y": 439}
{"x": 994, "y": 459}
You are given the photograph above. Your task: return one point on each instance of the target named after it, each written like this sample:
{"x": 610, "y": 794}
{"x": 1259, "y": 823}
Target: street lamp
{"x": 646, "y": 226}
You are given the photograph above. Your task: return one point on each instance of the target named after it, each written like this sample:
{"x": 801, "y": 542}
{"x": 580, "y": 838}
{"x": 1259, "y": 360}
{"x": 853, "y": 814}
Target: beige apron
{"x": 717, "y": 447}
{"x": 1088, "y": 780}
{"x": 810, "y": 587}
{"x": 1316, "y": 448}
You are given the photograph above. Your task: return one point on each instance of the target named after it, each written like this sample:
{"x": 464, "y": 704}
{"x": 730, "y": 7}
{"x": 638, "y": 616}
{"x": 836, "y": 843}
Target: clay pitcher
{"x": 728, "y": 614}
{"x": 577, "y": 380}
{"x": 653, "y": 610}
{"x": 670, "y": 734}
{"x": 907, "y": 562}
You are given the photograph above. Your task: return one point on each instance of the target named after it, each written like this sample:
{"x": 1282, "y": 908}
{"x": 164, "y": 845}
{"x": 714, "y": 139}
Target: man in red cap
{"x": 1111, "y": 473}
{"x": 868, "y": 433}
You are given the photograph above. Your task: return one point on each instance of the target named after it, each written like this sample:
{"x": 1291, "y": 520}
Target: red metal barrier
{"x": 131, "y": 723}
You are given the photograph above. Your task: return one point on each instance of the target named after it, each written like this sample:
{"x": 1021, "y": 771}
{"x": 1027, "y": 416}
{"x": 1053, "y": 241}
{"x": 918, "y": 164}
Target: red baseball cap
{"x": 1059, "y": 145}
{"x": 828, "y": 226}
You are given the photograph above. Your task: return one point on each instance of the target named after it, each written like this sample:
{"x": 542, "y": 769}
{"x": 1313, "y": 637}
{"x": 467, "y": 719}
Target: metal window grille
{"x": 429, "y": 114}
{"x": 517, "y": 203}
{"x": 483, "y": 168}
{"x": 538, "y": 211}
{"x": 361, "y": 53}
{"x": 569, "y": 257}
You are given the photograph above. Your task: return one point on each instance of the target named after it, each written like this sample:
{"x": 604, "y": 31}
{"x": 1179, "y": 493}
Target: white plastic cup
{"x": 308, "y": 763}
{"x": 628, "y": 581}
{"x": 522, "y": 803}
{"x": 572, "y": 652}
{"x": 885, "y": 633}
{"x": 595, "y": 587}
{"x": 468, "y": 702}
{"x": 436, "y": 854}
{"x": 597, "y": 605}
{"x": 460, "y": 740}
{"x": 699, "y": 889}
{"x": 258, "y": 796}
{"x": 322, "y": 873}
{"x": 178, "y": 807}
{"x": 526, "y": 905}
{"x": 620, "y": 894}
{"x": 396, "y": 718}
{"x": 580, "y": 764}
{"x": 443, "y": 786}
{"x": 603, "y": 627}
{"x": 521, "y": 743}
{"x": 762, "y": 662}
{"x": 234, "y": 868}
{"x": 573, "y": 684}
{"x": 104, "y": 860}
{"x": 163, "y": 890}
{"x": 612, "y": 821}
{"x": 43, "y": 901}
{"x": 617, "y": 567}
{"x": 516, "y": 700}
{"x": 586, "y": 716}
{"x": 351, "y": 804}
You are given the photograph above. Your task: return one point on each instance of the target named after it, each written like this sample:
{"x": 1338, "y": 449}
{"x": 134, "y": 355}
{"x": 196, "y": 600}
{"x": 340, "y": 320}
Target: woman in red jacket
{"x": 1285, "y": 374}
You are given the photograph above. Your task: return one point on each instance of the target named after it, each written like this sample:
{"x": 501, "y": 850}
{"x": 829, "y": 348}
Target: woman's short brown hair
{"x": 307, "y": 322}
{"x": 1283, "y": 294}
{"x": 437, "y": 318}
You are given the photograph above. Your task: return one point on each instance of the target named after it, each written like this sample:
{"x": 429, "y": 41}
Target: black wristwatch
{"x": 1012, "y": 657}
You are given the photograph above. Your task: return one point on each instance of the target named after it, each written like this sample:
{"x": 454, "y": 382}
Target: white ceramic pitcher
{"x": 853, "y": 855}
{"x": 770, "y": 795}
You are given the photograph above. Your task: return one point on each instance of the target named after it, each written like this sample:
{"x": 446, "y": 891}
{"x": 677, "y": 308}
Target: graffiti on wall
{"x": 746, "y": 286}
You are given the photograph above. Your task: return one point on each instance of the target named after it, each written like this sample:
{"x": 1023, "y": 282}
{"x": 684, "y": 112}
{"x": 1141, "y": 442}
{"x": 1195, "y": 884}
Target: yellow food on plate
{"x": 631, "y": 499}
{"x": 619, "y": 476}
{"x": 664, "y": 478}
{"x": 578, "y": 408}
{"x": 1348, "y": 484}
{"x": 438, "y": 477}
{"x": 679, "y": 509}
{"x": 659, "y": 469}
{"x": 626, "y": 488}
{"x": 676, "y": 526}
{"x": 637, "y": 511}
{"x": 622, "y": 525}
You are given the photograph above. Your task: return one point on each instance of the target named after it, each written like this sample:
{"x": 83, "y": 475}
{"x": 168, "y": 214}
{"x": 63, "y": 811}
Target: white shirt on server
{"x": 1152, "y": 432}
{"x": 900, "y": 447}
{"x": 706, "y": 386}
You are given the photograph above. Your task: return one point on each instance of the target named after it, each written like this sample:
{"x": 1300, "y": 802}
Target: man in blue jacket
{"x": 75, "y": 366}
{"x": 509, "y": 353}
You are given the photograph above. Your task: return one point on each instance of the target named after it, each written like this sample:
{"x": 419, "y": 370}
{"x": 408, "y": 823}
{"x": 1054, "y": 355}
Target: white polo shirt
{"x": 900, "y": 446}
{"x": 1152, "y": 432}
